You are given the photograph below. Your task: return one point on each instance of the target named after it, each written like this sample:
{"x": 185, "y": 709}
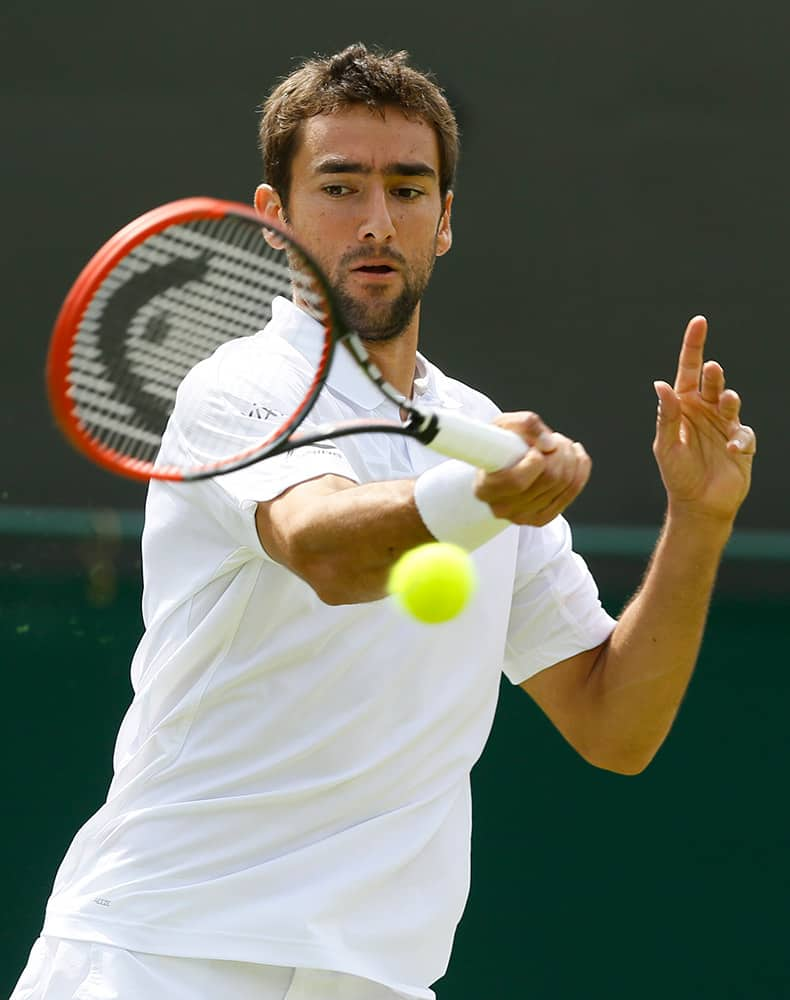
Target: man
{"x": 290, "y": 813}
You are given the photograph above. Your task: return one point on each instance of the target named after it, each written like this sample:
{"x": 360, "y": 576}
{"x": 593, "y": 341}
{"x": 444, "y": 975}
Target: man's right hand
{"x": 542, "y": 484}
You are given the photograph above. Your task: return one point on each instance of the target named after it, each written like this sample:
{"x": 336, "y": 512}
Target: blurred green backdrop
{"x": 585, "y": 884}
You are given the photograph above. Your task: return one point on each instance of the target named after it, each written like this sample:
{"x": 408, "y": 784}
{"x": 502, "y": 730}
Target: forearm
{"x": 615, "y": 703}
{"x": 641, "y": 674}
{"x": 343, "y": 538}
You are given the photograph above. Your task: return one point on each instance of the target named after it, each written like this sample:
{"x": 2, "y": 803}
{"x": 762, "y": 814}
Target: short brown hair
{"x": 356, "y": 75}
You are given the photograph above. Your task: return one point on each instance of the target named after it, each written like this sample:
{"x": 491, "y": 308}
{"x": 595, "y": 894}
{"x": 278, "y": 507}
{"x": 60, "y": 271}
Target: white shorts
{"x": 61, "y": 969}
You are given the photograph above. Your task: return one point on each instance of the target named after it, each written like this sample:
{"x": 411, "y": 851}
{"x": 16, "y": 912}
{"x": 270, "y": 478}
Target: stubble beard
{"x": 384, "y": 320}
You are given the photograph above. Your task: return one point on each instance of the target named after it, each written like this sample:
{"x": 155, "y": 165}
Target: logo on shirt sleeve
{"x": 260, "y": 412}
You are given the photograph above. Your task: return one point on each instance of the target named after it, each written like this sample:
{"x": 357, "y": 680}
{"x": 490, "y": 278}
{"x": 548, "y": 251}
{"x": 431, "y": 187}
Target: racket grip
{"x": 485, "y": 445}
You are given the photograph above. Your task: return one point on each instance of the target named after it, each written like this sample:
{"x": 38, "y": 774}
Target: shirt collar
{"x": 345, "y": 377}
{"x": 430, "y": 387}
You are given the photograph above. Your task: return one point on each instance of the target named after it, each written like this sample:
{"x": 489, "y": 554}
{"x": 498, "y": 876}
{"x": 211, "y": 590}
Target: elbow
{"x": 331, "y": 591}
{"x": 336, "y": 579}
{"x": 321, "y": 574}
{"x": 320, "y": 569}
{"x": 628, "y": 765}
{"x": 628, "y": 769}
{"x": 338, "y": 571}
{"x": 627, "y": 760}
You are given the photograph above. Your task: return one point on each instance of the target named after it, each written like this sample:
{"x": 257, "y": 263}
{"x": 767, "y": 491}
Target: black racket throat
{"x": 423, "y": 427}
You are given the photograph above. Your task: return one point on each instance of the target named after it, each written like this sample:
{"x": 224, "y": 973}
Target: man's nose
{"x": 377, "y": 225}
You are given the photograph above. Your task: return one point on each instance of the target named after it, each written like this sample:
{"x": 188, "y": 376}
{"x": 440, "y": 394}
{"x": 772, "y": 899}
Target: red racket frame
{"x": 77, "y": 301}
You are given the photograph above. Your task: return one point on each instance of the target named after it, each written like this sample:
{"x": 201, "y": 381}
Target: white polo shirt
{"x": 291, "y": 780}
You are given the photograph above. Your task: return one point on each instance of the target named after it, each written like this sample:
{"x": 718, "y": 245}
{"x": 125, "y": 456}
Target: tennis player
{"x": 289, "y": 815}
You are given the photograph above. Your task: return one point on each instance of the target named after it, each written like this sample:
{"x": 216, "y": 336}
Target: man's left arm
{"x": 616, "y": 703}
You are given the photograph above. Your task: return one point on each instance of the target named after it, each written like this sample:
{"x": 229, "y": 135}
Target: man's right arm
{"x": 342, "y": 538}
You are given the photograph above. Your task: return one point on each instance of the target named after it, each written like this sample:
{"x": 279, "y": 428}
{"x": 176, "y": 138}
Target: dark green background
{"x": 624, "y": 167}
{"x": 585, "y": 884}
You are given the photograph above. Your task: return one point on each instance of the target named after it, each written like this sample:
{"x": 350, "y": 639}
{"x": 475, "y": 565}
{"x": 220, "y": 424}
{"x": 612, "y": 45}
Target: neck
{"x": 396, "y": 359}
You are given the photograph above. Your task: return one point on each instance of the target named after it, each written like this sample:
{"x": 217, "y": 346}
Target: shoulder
{"x": 250, "y": 366}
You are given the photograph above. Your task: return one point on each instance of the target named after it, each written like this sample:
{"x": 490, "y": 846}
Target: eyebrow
{"x": 338, "y": 165}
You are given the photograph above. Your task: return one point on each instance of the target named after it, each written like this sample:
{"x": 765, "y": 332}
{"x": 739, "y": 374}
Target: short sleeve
{"x": 556, "y": 611}
{"x": 227, "y": 408}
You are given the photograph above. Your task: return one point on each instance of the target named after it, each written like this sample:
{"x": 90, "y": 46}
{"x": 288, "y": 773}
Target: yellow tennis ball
{"x": 433, "y": 582}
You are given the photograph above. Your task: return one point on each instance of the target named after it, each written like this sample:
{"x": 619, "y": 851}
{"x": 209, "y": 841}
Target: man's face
{"x": 365, "y": 201}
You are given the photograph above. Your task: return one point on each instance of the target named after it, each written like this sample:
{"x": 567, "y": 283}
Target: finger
{"x": 539, "y": 470}
{"x": 712, "y": 381}
{"x": 581, "y": 475}
{"x": 558, "y": 503}
{"x": 690, "y": 359}
{"x": 520, "y": 495}
{"x": 730, "y": 404}
{"x": 530, "y": 427}
{"x": 545, "y": 461}
{"x": 668, "y": 417}
{"x": 560, "y": 470}
{"x": 497, "y": 487}
{"x": 743, "y": 442}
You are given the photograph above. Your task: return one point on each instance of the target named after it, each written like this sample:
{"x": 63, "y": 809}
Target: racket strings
{"x": 164, "y": 307}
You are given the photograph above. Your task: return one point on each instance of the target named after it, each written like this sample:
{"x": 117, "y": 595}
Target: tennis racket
{"x": 163, "y": 294}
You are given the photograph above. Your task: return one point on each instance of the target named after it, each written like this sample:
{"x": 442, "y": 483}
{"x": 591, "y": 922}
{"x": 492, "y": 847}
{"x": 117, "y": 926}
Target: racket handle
{"x": 485, "y": 445}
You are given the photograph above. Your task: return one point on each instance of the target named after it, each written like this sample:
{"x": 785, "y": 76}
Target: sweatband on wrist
{"x": 446, "y": 502}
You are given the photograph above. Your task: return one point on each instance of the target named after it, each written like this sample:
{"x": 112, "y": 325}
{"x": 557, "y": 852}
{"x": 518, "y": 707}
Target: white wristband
{"x": 446, "y": 502}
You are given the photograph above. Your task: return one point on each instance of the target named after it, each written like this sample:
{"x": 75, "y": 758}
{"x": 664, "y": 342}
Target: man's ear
{"x": 444, "y": 234}
{"x": 270, "y": 208}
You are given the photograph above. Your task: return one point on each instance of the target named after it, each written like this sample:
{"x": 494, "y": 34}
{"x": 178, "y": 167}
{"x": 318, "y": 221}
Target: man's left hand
{"x": 704, "y": 452}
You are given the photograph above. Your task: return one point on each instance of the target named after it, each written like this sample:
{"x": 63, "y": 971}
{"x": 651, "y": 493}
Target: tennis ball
{"x": 433, "y": 582}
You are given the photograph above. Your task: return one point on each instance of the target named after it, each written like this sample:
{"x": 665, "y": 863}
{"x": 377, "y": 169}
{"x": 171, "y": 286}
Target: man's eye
{"x": 408, "y": 193}
{"x": 336, "y": 190}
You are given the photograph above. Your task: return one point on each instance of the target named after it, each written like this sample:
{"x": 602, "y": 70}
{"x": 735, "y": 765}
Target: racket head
{"x": 157, "y": 298}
